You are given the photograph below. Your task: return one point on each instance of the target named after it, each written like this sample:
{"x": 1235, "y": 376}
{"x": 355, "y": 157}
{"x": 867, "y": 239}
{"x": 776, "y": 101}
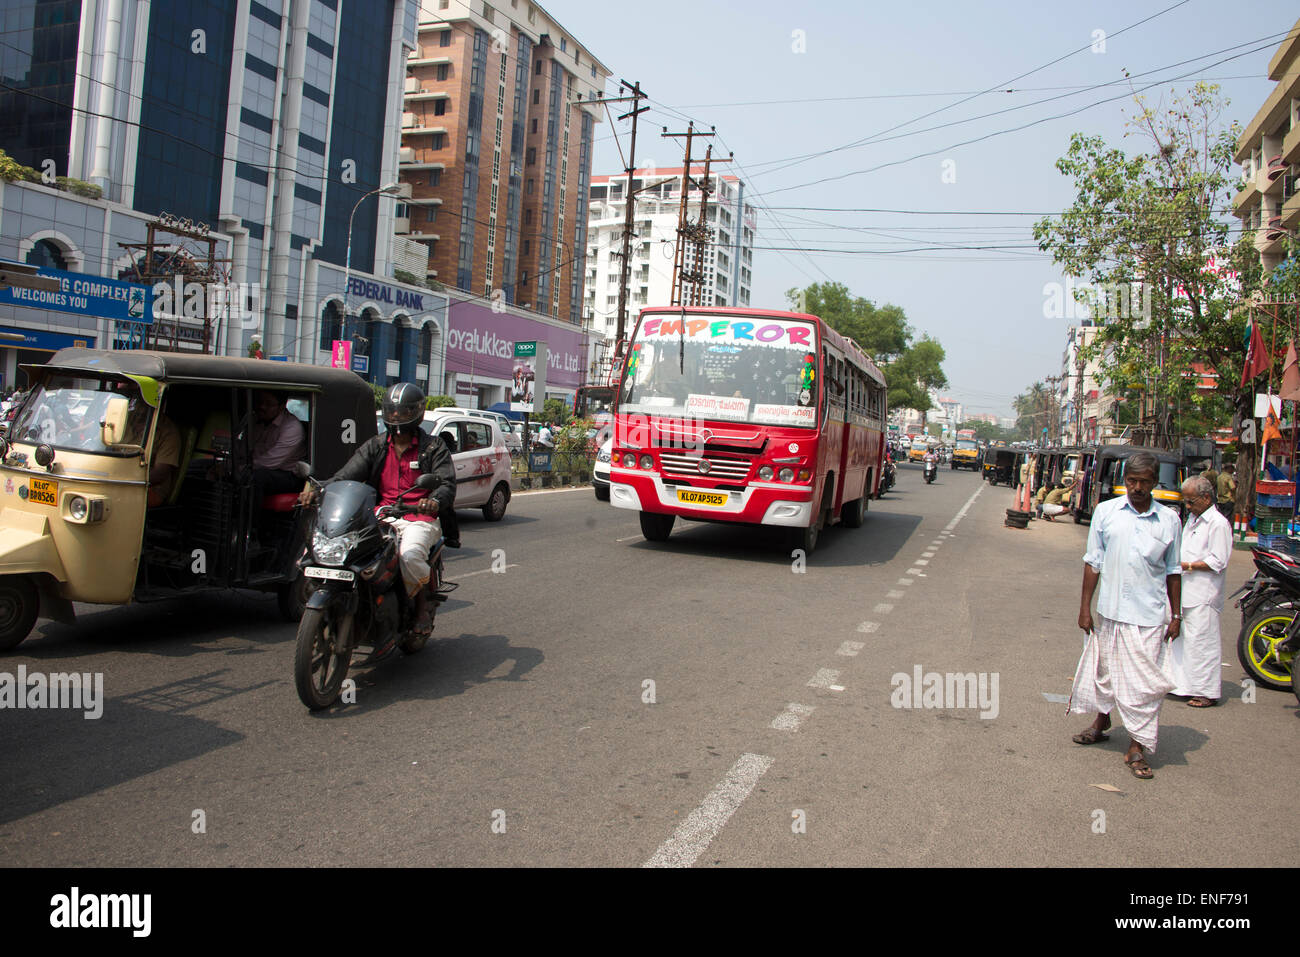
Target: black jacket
{"x": 367, "y": 463}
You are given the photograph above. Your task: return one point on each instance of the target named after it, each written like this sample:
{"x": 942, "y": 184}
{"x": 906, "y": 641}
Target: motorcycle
{"x": 931, "y": 469}
{"x": 1270, "y": 620}
{"x": 356, "y": 595}
{"x": 886, "y": 478}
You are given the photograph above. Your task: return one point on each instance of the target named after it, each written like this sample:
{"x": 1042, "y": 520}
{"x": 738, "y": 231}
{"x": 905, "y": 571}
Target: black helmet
{"x": 403, "y": 406}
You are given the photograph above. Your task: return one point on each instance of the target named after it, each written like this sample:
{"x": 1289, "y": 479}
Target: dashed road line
{"x": 454, "y": 576}
{"x": 867, "y": 627}
{"x": 825, "y": 678}
{"x": 792, "y": 717}
{"x": 702, "y": 825}
{"x": 1056, "y": 698}
{"x": 849, "y": 649}
{"x": 921, "y": 561}
{"x": 884, "y": 608}
{"x": 906, "y": 581}
{"x": 895, "y": 593}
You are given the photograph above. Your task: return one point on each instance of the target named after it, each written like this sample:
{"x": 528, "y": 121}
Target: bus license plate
{"x": 335, "y": 574}
{"x": 691, "y": 497}
{"x": 42, "y": 491}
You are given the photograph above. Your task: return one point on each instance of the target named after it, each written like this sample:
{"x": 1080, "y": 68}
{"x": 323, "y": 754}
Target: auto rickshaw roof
{"x": 215, "y": 370}
{"x": 1126, "y": 451}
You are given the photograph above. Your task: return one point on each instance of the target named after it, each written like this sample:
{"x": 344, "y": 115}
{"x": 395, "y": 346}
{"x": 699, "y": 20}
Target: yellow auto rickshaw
{"x": 75, "y": 520}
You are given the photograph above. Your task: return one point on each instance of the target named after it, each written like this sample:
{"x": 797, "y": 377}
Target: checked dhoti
{"x": 1123, "y": 668}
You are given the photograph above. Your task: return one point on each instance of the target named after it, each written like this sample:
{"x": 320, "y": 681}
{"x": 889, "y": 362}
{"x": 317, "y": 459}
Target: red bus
{"x": 747, "y": 416}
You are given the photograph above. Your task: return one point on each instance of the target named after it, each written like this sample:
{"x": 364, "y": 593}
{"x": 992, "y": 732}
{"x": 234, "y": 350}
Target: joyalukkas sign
{"x": 482, "y": 343}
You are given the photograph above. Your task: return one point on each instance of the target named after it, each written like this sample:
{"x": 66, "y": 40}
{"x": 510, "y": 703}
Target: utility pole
{"x": 697, "y": 235}
{"x": 625, "y": 273}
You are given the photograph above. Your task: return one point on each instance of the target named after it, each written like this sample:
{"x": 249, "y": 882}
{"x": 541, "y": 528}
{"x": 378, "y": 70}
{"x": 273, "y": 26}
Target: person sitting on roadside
{"x": 1040, "y": 496}
{"x": 1057, "y": 501}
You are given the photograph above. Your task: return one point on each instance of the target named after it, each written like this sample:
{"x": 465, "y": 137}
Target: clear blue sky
{"x": 870, "y": 67}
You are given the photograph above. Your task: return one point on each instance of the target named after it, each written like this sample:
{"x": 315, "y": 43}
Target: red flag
{"x": 1257, "y": 359}
{"x": 1290, "y": 374}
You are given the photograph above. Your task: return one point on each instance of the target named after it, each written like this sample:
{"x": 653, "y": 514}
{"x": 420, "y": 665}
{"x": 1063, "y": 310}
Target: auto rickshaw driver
{"x": 165, "y": 461}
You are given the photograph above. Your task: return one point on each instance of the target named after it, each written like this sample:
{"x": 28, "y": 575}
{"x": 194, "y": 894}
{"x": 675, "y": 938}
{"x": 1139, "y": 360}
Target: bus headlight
{"x": 765, "y": 473}
{"x": 786, "y": 474}
{"x": 647, "y": 462}
{"x": 629, "y": 460}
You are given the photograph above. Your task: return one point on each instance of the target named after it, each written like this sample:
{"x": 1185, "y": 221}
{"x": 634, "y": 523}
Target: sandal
{"x": 1090, "y": 736}
{"x": 1201, "y": 702}
{"x": 1139, "y": 767}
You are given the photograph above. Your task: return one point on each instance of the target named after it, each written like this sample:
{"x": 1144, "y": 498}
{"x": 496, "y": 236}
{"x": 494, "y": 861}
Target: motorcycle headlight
{"x": 333, "y": 551}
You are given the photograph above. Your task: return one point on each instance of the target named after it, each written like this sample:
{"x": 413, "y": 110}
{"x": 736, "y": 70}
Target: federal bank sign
{"x": 379, "y": 292}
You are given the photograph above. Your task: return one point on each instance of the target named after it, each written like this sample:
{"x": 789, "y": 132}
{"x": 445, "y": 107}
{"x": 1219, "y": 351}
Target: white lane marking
{"x": 837, "y": 687}
{"x": 916, "y": 571}
{"x": 929, "y": 554}
{"x": 484, "y": 571}
{"x": 906, "y": 581}
{"x": 792, "y": 717}
{"x": 1056, "y": 698}
{"x": 895, "y": 593}
{"x": 628, "y": 539}
{"x": 884, "y": 608}
{"x": 825, "y": 678}
{"x": 849, "y": 649}
{"x": 702, "y": 825}
{"x": 549, "y": 491}
{"x": 964, "y": 509}
{"x": 867, "y": 627}
{"x": 936, "y": 543}
{"x": 921, "y": 561}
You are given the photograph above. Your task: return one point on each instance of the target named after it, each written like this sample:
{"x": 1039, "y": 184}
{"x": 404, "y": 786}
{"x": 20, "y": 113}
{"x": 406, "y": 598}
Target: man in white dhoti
{"x": 1133, "y": 551}
{"x": 1195, "y": 661}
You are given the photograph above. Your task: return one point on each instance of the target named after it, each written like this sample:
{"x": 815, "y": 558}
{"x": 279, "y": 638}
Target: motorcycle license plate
{"x": 42, "y": 491}
{"x": 689, "y": 497}
{"x": 334, "y": 574}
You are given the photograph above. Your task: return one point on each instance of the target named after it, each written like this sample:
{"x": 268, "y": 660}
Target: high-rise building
{"x": 1269, "y": 153}
{"x": 501, "y": 104}
{"x": 728, "y": 261}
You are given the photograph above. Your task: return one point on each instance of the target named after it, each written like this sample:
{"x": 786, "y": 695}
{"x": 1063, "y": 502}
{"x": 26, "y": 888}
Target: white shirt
{"x": 1206, "y": 538}
{"x": 1134, "y": 552}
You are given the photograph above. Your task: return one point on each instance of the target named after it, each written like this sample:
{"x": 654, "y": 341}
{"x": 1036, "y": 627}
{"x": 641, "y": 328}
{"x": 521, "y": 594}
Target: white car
{"x": 478, "y": 450}
{"x": 600, "y": 471}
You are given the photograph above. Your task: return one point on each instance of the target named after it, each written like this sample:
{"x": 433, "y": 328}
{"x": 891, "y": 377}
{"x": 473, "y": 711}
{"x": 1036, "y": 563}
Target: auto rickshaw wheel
{"x": 291, "y": 597}
{"x": 20, "y": 603}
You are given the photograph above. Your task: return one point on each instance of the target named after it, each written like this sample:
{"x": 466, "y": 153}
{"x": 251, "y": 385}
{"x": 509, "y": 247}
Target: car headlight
{"x": 332, "y": 551}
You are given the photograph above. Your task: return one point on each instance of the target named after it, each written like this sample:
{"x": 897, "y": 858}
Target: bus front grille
{"x": 688, "y": 466}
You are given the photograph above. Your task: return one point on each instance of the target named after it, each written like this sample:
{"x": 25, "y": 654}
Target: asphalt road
{"x": 529, "y": 733}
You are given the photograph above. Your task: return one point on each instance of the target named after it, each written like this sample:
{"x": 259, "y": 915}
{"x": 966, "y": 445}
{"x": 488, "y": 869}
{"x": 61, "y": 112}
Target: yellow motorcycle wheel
{"x": 1257, "y": 649}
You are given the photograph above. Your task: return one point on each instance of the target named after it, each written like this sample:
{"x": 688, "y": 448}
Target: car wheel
{"x": 495, "y": 509}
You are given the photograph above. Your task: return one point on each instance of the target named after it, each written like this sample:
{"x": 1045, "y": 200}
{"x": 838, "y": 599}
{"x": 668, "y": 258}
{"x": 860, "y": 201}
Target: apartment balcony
{"x": 412, "y": 166}
{"x": 423, "y": 236}
{"x": 1291, "y": 212}
{"x": 1291, "y": 145}
{"x": 420, "y": 130}
{"x": 1272, "y": 175}
{"x": 420, "y": 96}
{"x": 1249, "y": 196}
{"x": 427, "y": 61}
{"x": 425, "y": 200}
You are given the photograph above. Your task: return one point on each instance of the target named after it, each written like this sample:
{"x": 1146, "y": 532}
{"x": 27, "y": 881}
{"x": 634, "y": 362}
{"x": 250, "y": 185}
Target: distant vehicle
{"x": 966, "y": 455}
{"x": 918, "y": 449}
{"x": 479, "y": 453}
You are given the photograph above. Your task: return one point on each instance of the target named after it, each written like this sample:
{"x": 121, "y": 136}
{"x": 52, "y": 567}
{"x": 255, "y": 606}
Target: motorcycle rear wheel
{"x": 1255, "y": 647}
{"x": 318, "y": 672}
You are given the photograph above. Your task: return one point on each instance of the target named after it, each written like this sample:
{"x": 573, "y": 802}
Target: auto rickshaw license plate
{"x": 336, "y": 574}
{"x": 691, "y": 497}
{"x": 42, "y": 491}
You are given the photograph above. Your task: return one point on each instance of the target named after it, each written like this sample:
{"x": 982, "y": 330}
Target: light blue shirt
{"x": 1134, "y": 552}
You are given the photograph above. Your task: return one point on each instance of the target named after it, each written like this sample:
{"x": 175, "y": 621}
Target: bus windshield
{"x": 967, "y": 444}
{"x": 742, "y": 369}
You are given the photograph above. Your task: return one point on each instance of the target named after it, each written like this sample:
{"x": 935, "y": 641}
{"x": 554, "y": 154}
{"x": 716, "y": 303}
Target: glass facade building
{"x": 38, "y": 67}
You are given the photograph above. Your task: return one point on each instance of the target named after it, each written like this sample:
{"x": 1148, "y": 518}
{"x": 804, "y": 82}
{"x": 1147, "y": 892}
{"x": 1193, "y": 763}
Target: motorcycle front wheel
{"x": 1257, "y": 649}
{"x": 317, "y": 671}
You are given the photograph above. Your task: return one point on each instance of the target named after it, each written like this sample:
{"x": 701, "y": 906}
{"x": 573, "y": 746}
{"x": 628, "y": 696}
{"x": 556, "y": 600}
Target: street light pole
{"x": 388, "y": 189}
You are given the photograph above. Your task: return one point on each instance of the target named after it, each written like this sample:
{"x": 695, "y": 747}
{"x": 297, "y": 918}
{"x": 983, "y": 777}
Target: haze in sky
{"x": 838, "y": 111}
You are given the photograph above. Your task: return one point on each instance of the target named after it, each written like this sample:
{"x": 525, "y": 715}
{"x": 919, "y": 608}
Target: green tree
{"x": 911, "y": 369}
{"x": 1147, "y": 226}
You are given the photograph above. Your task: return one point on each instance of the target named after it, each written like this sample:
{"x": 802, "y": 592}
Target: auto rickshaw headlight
{"x": 44, "y": 455}
{"x": 78, "y": 508}
{"x": 84, "y": 509}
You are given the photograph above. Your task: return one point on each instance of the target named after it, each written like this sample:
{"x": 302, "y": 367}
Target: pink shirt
{"x": 398, "y": 474}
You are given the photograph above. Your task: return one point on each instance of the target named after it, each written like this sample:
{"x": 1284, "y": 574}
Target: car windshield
{"x": 65, "y": 411}
{"x": 743, "y": 369}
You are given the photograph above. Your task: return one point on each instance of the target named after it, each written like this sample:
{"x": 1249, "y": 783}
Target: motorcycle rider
{"x": 394, "y": 462}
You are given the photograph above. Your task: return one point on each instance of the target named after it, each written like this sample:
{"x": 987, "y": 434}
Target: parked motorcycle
{"x": 1270, "y": 620}
{"x": 931, "y": 470}
{"x": 356, "y": 595}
